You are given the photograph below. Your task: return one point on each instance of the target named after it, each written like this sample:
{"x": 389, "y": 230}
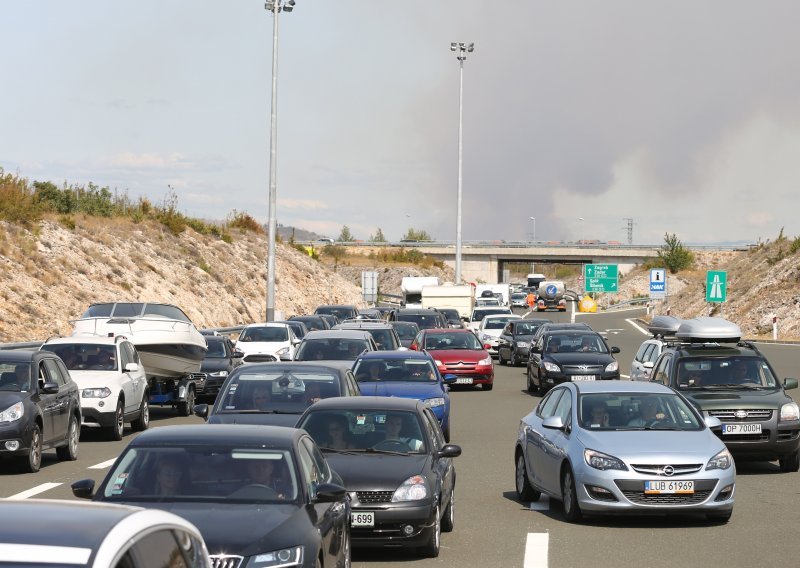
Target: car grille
{"x": 658, "y": 469}
{"x": 374, "y": 496}
{"x": 460, "y": 366}
{"x": 641, "y": 498}
{"x": 198, "y": 376}
{"x": 583, "y": 369}
{"x": 260, "y": 358}
{"x": 752, "y": 414}
{"x": 225, "y": 561}
{"x": 788, "y": 435}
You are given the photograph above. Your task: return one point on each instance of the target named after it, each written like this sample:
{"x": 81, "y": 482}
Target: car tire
{"x": 525, "y": 490}
{"x": 116, "y": 430}
{"x": 569, "y": 497}
{"x": 533, "y": 389}
{"x": 143, "y": 422}
{"x": 185, "y": 407}
{"x": 69, "y": 451}
{"x": 33, "y": 461}
{"x": 449, "y": 517}
{"x": 513, "y": 360}
{"x": 720, "y": 518}
{"x": 487, "y": 386}
{"x": 790, "y": 462}
{"x": 431, "y": 548}
{"x": 500, "y": 360}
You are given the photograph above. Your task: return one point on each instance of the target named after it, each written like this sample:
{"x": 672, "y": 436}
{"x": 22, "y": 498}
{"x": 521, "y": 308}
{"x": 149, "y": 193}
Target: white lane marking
{"x": 637, "y": 326}
{"x": 543, "y": 504}
{"x": 536, "y": 550}
{"x": 104, "y": 465}
{"x": 34, "y": 491}
{"x": 625, "y": 376}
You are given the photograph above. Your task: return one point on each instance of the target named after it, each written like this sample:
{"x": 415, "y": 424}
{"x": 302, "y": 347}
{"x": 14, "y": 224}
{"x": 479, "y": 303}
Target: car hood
{"x": 213, "y": 365}
{"x": 633, "y": 446}
{"x": 580, "y": 358}
{"x": 401, "y": 389}
{"x": 241, "y": 529}
{"x": 492, "y": 332}
{"x": 454, "y": 355}
{"x": 523, "y": 338}
{"x": 724, "y": 399}
{"x": 261, "y": 347}
{"x": 7, "y": 398}
{"x": 259, "y": 419}
{"x": 376, "y": 472}
{"x": 95, "y": 379}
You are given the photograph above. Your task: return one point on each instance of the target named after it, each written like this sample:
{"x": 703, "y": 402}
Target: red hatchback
{"x": 457, "y": 352}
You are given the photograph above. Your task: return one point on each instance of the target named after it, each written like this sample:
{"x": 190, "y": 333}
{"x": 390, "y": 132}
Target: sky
{"x": 683, "y": 116}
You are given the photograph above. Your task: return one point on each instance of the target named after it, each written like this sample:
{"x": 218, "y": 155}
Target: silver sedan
{"x": 620, "y": 448}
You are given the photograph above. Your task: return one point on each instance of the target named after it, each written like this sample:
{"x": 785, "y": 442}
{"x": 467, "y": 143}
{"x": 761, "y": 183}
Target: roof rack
{"x": 708, "y": 330}
{"x": 664, "y": 326}
{"x": 750, "y": 345}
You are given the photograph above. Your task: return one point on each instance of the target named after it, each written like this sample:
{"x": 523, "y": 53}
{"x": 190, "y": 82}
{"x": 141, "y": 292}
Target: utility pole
{"x": 630, "y": 229}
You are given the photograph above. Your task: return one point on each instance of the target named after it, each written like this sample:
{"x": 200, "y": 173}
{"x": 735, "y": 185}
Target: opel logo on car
{"x": 583, "y": 367}
{"x": 668, "y": 470}
{"x": 740, "y": 414}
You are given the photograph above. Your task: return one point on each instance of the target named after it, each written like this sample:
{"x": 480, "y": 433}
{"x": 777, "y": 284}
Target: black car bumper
{"x": 396, "y": 524}
{"x": 16, "y": 432}
{"x": 771, "y": 444}
{"x": 549, "y": 380}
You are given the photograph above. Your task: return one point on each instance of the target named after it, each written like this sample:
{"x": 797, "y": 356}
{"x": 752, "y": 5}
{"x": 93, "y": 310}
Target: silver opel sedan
{"x": 623, "y": 448}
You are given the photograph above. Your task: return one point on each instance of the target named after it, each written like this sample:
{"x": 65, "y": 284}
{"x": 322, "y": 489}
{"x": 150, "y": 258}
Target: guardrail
{"x": 521, "y": 244}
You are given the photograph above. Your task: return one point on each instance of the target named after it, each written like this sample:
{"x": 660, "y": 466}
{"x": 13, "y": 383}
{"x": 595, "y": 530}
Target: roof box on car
{"x": 664, "y": 326}
{"x": 709, "y": 330}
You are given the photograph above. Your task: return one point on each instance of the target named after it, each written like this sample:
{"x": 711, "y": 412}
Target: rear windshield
{"x": 330, "y": 349}
{"x": 478, "y": 315}
{"x": 406, "y": 331}
{"x": 277, "y": 391}
{"x": 340, "y": 312}
{"x": 424, "y": 321}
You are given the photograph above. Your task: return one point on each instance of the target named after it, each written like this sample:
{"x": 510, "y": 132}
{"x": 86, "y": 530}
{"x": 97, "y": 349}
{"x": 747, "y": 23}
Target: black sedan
{"x": 398, "y": 470}
{"x": 561, "y": 356}
{"x": 515, "y": 340}
{"x": 277, "y": 393}
{"x": 260, "y": 495}
{"x": 220, "y": 361}
{"x": 312, "y": 322}
{"x": 40, "y": 408}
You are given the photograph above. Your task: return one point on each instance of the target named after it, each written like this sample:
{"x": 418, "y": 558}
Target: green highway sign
{"x": 601, "y": 277}
{"x": 716, "y": 286}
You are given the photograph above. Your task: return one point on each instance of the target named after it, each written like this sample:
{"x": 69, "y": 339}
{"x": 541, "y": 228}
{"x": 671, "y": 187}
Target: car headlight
{"x": 12, "y": 413}
{"x": 722, "y": 460}
{"x": 412, "y": 489}
{"x": 599, "y": 460}
{"x": 522, "y": 344}
{"x": 790, "y": 411}
{"x": 96, "y": 393}
{"x": 486, "y": 337}
{"x": 218, "y": 374}
{"x": 487, "y": 361}
{"x": 282, "y": 351}
{"x": 552, "y": 367}
{"x": 431, "y": 402}
{"x": 278, "y": 558}
{"x": 611, "y": 367}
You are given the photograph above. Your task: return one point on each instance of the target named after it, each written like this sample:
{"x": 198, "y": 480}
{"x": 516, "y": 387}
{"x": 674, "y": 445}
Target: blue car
{"x": 406, "y": 374}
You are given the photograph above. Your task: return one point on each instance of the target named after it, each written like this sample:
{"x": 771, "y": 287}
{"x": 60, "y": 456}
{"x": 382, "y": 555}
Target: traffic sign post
{"x": 658, "y": 283}
{"x": 716, "y": 286}
{"x": 369, "y": 287}
{"x": 601, "y": 277}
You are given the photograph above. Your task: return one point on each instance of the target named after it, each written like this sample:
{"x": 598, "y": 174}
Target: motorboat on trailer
{"x": 168, "y": 343}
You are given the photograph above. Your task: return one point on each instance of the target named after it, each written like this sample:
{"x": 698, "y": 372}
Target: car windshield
{"x": 725, "y": 372}
{"x": 633, "y": 411}
{"x": 423, "y": 321}
{"x": 265, "y": 334}
{"x": 383, "y": 338}
{"x": 525, "y": 328}
{"x": 438, "y": 341}
{"x": 487, "y": 302}
{"x": 575, "y": 343}
{"x": 496, "y": 323}
{"x": 406, "y": 331}
{"x": 333, "y": 349}
{"x": 478, "y": 315}
{"x": 276, "y": 391}
{"x": 391, "y": 369}
{"x": 85, "y": 356}
{"x": 224, "y": 474}
{"x": 15, "y": 376}
{"x": 451, "y": 314}
{"x": 312, "y": 324}
{"x": 371, "y": 431}
{"x": 216, "y": 350}
{"x": 341, "y": 313}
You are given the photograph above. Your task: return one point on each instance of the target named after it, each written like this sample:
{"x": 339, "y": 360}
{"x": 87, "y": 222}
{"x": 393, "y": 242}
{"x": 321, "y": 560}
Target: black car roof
{"x": 226, "y": 435}
{"x": 367, "y": 403}
{"x": 22, "y": 355}
{"x": 417, "y": 311}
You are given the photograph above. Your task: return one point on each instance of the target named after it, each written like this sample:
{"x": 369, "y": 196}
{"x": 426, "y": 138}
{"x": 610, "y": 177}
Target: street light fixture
{"x": 534, "y": 228}
{"x": 461, "y": 50}
{"x": 274, "y": 6}
{"x": 582, "y": 235}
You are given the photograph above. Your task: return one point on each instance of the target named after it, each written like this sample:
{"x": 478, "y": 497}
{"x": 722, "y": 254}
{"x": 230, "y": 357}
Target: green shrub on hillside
{"x": 674, "y": 256}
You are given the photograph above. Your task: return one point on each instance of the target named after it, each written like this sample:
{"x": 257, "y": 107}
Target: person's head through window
{"x": 740, "y": 372}
{"x": 598, "y": 415}
{"x": 313, "y": 393}
{"x": 553, "y": 345}
{"x": 353, "y": 349}
{"x": 260, "y": 471}
{"x": 262, "y": 396}
{"x": 588, "y": 344}
{"x": 374, "y": 370}
{"x": 22, "y": 377}
{"x": 169, "y": 476}
{"x": 692, "y": 377}
{"x": 336, "y": 433}
{"x": 421, "y": 373}
{"x": 394, "y": 424}
{"x": 105, "y": 360}
{"x": 318, "y": 354}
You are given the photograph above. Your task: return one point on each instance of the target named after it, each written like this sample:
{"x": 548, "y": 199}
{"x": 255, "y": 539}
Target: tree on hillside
{"x": 345, "y": 236}
{"x": 674, "y": 255}
{"x": 378, "y": 237}
{"x": 415, "y": 235}
{"x": 336, "y": 252}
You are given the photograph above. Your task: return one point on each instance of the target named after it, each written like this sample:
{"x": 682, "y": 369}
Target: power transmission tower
{"x": 630, "y": 229}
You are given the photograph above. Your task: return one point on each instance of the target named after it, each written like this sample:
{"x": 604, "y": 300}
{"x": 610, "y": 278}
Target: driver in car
{"x": 649, "y": 414}
{"x": 394, "y": 424}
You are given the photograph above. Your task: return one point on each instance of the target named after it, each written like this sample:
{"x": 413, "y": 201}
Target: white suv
{"x": 111, "y": 378}
{"x": 271, "y": 341}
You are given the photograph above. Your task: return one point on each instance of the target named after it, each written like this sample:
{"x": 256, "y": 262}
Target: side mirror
{"x": 713, "y": 422}
{"x": 465, "y": 319}
{"x": 285, "y": 357}
{"x": 534, "y": 349}
{"x": 201, "y": 411}
{"x": 330, "y": 492}
{"x": 131, "y": 367}
{"x": 789, "y": 384}
{"x": 449, "y": 451}
{"x": 296, "y": 341}
{"x": 450, "y": 378}
{"x": 649, "y": 364}
{"x": 83, "y": 488}
{"x": 50, "y": 388}
{"x": 553, "y": 423}
{"x": 238, "y": 354}
{"x": 615, "y": 349}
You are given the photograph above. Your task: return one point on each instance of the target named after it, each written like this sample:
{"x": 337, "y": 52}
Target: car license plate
{"x": 666, "y": 487}
{"x": 464, "y": 381}
{"x": 362, "y": 519}
{"x": 582, "y": 377}
{"x": 741, "y": 429}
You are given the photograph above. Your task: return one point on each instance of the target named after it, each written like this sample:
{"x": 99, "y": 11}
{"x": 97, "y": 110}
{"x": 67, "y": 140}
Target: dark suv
{"x": 733, "y": 381}
{"x": 425, "y": 318}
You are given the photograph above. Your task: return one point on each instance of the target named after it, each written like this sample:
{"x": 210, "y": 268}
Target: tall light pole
{"x": 534, "y": 228}
{"x": 461, "y": 50}
{"x": 274, "y": 6}
{"x": 581, "y": 219}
